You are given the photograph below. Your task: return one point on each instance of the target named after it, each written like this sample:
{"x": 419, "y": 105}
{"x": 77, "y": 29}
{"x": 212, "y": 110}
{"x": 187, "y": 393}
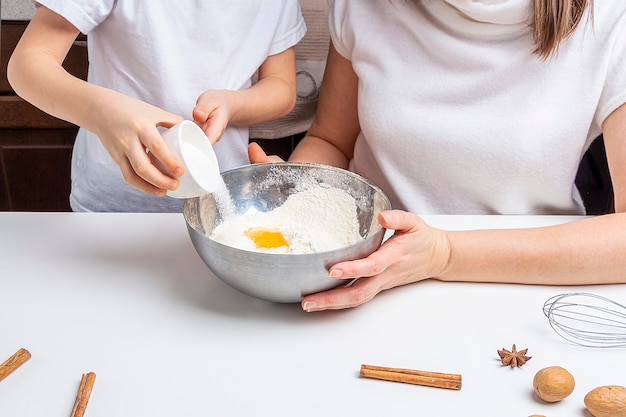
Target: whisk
{"x": 587, "y": 319}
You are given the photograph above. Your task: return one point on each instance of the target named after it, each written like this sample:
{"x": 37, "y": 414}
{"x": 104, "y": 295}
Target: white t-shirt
{"x": 459, "y": 117}
{"x": 167, "y": 53}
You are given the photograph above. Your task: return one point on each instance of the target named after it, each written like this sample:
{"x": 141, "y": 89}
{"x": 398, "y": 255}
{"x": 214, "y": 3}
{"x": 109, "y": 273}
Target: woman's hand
{"x": 415, "y": 252}
{"x": 257, "y": 155}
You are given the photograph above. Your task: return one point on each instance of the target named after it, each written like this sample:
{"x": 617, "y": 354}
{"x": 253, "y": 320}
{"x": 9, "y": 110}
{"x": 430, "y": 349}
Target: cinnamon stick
{"x": 83, "y": 394}
{"x": 412, "y": 376}
{"x": 13, "y": 363}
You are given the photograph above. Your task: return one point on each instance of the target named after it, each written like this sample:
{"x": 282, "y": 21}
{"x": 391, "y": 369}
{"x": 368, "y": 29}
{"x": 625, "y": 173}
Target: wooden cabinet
{"x": 35, "y": 148}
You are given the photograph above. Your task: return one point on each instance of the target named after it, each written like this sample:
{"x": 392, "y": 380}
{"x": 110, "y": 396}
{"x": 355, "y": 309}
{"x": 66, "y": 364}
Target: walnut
{"x": 553, "y": 383}
{"x": 607, "y": 401}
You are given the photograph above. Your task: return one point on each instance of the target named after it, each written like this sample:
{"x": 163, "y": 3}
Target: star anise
{"x": 513, "y": 357}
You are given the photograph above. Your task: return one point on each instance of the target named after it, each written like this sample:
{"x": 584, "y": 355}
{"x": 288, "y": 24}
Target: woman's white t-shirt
{"x": 459, "y": 116}
{"x": 167, "y": 53}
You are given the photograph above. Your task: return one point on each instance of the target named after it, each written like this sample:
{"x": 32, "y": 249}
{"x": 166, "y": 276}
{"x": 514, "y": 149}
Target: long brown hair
{"x": 555, "y": 20}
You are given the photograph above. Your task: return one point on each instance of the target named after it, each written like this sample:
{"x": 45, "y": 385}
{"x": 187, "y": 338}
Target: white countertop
{"x": 127, "y": 297}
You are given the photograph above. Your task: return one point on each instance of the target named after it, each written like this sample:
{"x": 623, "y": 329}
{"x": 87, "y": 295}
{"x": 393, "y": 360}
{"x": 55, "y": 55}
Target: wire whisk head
{"x": 587, "y": 319}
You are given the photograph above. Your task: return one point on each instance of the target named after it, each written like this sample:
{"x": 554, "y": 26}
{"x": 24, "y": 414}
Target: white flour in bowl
{"x": 318, "y": 219}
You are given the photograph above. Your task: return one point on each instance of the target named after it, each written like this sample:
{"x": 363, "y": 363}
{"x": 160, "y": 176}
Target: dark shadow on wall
{"x": 594, "y": 181}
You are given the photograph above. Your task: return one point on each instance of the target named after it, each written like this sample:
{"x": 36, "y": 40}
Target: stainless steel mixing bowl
{"x": 283, "y": 278}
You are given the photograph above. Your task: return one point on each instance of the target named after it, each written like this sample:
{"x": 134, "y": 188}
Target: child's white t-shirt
{"x": 459, "y": 117}
{"x": 167, "y": 53}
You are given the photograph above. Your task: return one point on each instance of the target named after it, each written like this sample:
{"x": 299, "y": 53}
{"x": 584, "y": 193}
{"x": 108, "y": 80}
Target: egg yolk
{"x": 266, "y": 238}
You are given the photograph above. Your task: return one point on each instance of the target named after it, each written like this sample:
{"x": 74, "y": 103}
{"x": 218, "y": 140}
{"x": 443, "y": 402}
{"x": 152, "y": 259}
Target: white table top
{"x": 127, "y": 297}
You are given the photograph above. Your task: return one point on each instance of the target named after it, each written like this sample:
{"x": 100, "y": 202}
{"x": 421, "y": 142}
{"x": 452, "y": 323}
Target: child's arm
{"x": 125, "y": 126}
{"x": 272, "y": 97}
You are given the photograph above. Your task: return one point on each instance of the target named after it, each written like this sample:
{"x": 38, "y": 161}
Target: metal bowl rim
{"x": 312, "y": 165}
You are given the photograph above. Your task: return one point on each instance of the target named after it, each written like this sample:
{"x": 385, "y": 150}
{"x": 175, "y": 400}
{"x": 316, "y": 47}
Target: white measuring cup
{"x": 193, "y": 149}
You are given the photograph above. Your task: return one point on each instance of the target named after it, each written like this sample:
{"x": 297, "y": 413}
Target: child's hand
{"x": 127, "y": 128}
{"x": 212, "y": 112}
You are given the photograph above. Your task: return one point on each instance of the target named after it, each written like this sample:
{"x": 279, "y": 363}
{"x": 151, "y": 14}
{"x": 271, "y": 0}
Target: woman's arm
{"x": 588, "y": 251}
{"x": 125, "y": 126}
{"x": 332, "y": 136}
{"x": 614, "y": 132}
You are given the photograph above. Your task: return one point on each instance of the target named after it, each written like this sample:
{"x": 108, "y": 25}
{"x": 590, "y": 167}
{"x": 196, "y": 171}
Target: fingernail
{"x": 178, "y": 171}
{"x": 309, "y": 306}
{"x": 335, "y": 273}
{"x": 160, "y": 193}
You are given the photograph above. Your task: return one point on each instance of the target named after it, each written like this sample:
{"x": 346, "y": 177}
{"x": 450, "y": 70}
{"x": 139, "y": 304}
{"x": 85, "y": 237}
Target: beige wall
{"x": 16, "y": 9}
